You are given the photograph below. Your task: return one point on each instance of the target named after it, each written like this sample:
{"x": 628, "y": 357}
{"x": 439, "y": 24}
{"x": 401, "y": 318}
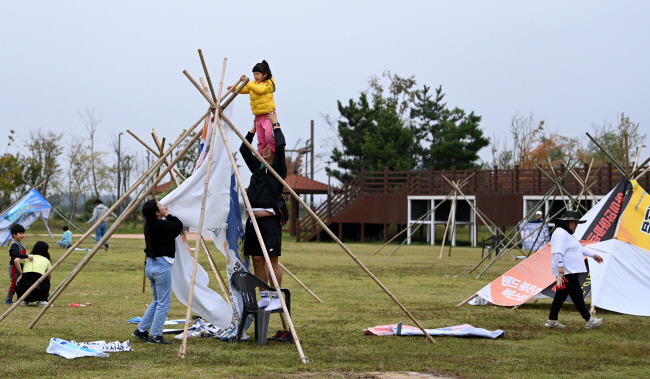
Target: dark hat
{"x": 572, "y": 216}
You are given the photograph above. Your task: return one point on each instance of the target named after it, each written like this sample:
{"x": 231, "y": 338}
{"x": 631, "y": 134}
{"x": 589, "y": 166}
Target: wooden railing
{"x": 431, "y": 182}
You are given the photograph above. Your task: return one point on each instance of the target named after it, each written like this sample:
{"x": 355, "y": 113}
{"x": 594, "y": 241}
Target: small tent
{"x": 28, "y": 209}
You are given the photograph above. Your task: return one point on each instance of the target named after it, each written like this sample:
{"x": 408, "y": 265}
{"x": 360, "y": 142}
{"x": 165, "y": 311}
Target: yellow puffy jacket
{"x": 261, "y": 96}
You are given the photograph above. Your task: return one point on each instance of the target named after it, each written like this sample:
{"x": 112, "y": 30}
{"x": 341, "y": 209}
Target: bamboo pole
{"x": 236, "y": 90}
{"x": 197, "y": 246}
{"x": 269, "y": 266}
{"x": 327, "y": 229}
{"x": 627, "y": 156}
{"x": 611, "y": 158}
{"x": 642, "y": 173}
{"x": 215, "y": 268}
{"x": 155, "y": 153}
{"x": 639, "y": 168}
{"x": 111, "y": 209}
{"x": 131, "y": 204}
{"x": 203, "y": 92}
{"x": 114, "y": 227}
{"x": 444, "y": 236}
{"x": 423, "y": 216}
{"x": 466, "y": 300}
{"x": 207, "y": 75}
{"x": 161, "y": 146}
{"x": 300, "y": 283}
{"x": 638, "y": 156}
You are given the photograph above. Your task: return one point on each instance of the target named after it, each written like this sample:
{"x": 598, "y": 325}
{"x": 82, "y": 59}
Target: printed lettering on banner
{"x": 645, "y": 227}
{"x": 509, "y": 281}
{"x": 514, "y": 295}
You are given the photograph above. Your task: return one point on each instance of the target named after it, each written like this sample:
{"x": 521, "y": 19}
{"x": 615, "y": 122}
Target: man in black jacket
{"x": 264, "y": 191}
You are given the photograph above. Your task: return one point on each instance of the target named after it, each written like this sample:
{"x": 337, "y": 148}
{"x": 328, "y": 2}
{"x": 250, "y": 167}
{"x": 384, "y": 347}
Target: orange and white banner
{"x": 524, "y": 281}
{"x": 634, "y": 224}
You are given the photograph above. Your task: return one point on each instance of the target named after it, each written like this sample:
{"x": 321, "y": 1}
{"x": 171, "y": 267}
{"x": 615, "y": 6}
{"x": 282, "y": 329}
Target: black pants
{"x": 572, "y": 288}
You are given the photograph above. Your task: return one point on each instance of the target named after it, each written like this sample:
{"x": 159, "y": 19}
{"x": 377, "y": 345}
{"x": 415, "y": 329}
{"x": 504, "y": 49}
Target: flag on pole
{"x": 230, "y": 241}
{"x": 32, "y": 206}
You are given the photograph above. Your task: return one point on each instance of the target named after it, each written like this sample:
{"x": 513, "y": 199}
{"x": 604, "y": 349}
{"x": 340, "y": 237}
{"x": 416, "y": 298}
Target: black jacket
{"x": 264, "y": 189}
{"x": 162, "y": 234}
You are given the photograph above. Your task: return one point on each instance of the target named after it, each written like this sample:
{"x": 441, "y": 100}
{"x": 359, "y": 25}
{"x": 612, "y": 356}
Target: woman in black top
{"x": 159, "y": 236}
{"x": 264, "y": 191}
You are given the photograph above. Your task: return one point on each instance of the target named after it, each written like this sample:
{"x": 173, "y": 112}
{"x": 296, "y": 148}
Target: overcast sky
{"x": 571, "y": 64}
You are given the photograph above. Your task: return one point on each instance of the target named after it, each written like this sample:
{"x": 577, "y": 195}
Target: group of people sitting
{"x": 25, "y": 269}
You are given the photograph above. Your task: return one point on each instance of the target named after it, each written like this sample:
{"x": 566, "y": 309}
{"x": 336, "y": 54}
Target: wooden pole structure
{"x": 422, "y": 217}
{"x": 115, "y": 225}
{"x": 197, "y": 246}
{"x": 627, "y": 156}
{"x": 155, "y": 153}
{"x": 205, "y": 248}
{"x": 161, "y": 147}
{"x": 269, "y": 267}
{"x": 299, "y": 282}
{"x": 451, "y": 214}
{"x": 111, "y": 209}
{"x": 326, "y": 228}
{"x": 207, "y": 75}
{"x": 466, "y": 300}
{"x": 611, "y": 158}
{"x": 131, "y": 204}
{"x": 641, "y": 166}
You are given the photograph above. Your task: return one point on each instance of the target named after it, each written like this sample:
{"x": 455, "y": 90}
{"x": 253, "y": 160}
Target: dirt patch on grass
{"x": 370, "y": 375}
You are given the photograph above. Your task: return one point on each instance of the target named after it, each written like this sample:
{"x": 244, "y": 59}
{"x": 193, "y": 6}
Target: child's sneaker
{"x": 593, "y": 322}
{"x": 9, "y": 302}
{"x": 158, "y": 340}
{"x": 285, "y": 337}
{"x": 554, "y": 324}
{"x": 23, "y": 304}
{"x": 274, "y": 304}
{"x": 41, "y": 303}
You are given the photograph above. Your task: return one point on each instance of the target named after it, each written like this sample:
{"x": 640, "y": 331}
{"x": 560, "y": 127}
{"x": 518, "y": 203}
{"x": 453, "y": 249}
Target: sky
{"x": 572, "y": 64}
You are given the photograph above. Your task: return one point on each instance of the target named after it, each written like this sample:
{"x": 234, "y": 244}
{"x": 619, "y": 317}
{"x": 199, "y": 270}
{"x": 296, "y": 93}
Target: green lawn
{"x": 331, "y": 332}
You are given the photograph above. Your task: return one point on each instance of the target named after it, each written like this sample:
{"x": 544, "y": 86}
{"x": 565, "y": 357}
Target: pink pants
{"x": 264, "y": 130}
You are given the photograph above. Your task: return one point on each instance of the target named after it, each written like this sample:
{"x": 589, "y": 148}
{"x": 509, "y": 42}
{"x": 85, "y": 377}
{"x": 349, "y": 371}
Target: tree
{"x": 76, "y": 172}
{"x": 372, "y": 137}
{"x": 91, "y": 122}
{"x": 399, "y": 96}
{"x": 45, "y": 149}
{"x": 11, "y": 168}
{"x": 555, "y": 148}
{"x": 612, "y": 138}
{"x": 525, "y": 131}
{"x": 446, "y": 138}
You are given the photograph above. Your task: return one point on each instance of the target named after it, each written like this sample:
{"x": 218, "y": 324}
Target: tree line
{"x": 396, "y": 126}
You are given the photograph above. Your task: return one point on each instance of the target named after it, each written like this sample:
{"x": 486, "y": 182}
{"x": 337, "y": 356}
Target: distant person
{"x": 33, "y": 270}
{"x": 99, "y": 211}
{"x": 539, "y": 217}
{"x": 16, "y": 250}
{"x": 262, "y": 104}
{"x": 264, "y": 191}
{"x": 66, "y": 238}
{"x": 160, "y": 232}
{"x": 568, "y": 262}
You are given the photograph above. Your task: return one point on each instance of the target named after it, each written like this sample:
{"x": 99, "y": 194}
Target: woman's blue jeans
{"x": 160, "y": 275}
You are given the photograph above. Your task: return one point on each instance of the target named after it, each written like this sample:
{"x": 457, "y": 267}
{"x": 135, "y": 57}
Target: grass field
{"x": 331, "y": 332}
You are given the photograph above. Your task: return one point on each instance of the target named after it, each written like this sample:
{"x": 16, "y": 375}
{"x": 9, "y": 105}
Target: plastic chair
{"x": 247, "y": 284}
{"x": 492, "y": 244}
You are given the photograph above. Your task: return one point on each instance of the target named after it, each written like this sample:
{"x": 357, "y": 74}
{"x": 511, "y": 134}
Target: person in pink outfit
{"x": 262, "y": 103}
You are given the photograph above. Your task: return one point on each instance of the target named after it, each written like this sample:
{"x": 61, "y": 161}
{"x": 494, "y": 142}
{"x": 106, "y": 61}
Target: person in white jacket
{"x": 568, "y": 262}
{"x": 99, "y": 211}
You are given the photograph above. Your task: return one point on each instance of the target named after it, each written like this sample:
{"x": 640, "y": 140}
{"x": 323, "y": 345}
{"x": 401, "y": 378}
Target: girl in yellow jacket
{"x": 262, "y": 103}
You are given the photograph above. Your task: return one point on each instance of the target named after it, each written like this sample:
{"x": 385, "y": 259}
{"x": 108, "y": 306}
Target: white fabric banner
{"x": 622, "y": 282}
{"x": 206, "y": 302}
{"x": 185, "y": 201}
